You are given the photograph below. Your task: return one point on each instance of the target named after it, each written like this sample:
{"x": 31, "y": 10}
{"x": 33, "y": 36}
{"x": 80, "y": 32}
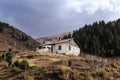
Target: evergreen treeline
{"x": 100, "y": 38}
{"x": 67, "y": 36}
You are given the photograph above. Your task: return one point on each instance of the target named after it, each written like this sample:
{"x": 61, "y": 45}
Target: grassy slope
{"x": 11, "y": 37}
{"x": 55, "y": 67}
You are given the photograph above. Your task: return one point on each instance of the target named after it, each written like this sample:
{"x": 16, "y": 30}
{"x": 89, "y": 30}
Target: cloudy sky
{"x": 46, "y": 17}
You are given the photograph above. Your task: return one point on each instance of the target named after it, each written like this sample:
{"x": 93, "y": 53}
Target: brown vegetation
{"x": 48, "y": 66}
{"x": 11, "y": 37}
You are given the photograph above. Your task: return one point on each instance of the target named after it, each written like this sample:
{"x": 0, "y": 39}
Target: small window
{"x": 59, "y": 47}
{"x": 69, "y": 48}
{"x": 39, "y": 47}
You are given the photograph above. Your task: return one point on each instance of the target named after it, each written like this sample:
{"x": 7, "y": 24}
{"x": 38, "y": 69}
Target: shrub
{"x": 24, "y": 65}
{"x": 17, "y": 63}
{"x": 9, "y": 56}
{"x": 1, "y": 58}
{"x": 69, "y": 63}
{"x": 9, "y": 49}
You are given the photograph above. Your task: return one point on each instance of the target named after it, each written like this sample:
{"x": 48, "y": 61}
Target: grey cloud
{"x": 46, "y": 17}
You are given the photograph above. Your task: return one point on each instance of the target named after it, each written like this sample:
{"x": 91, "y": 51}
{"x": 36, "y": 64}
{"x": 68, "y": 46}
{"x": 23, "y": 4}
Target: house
{"x": 43, "y": 48}
{"x": 66, "y": 46}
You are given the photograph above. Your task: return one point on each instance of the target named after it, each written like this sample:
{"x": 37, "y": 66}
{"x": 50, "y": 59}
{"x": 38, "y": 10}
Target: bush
{"x": 69, "y": 63}
{"x": 24, "y": 65}
{"x": 9, "y": 56}
{"x": 1, "y": 58}
{"x": 17, "y": 63}
{"x": 9, "y": 49}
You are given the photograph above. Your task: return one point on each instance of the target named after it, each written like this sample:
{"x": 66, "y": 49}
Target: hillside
{"x": 11, "y": 37}
{"x": 46, "y": 66}
{"x": 53, "y": 37}
{"x": 99, "y": 38}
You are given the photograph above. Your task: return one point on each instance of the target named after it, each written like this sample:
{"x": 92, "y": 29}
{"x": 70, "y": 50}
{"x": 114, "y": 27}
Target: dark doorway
{"x": 51, "y": 48}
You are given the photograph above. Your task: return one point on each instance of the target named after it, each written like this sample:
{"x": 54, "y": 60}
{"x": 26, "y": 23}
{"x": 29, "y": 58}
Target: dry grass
{"x": 46, "y": 66}
{"x": 42, "y": 59}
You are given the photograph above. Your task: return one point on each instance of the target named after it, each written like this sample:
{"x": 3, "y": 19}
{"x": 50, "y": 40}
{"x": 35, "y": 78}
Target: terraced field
{"x": 46, "y": 66}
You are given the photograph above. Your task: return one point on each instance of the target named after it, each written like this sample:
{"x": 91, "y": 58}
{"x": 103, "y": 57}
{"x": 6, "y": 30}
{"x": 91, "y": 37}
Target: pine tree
{"x": 100, "y": 38}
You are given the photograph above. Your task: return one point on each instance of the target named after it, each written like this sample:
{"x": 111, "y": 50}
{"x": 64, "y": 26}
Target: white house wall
{"x": 43, "y": 49}
{"x": 75, "y": 50}
{"x": 65, "y": 49}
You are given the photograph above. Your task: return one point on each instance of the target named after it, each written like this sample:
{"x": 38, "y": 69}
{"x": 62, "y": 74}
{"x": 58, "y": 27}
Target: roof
{"x": 56, "y": 42}
{"x": 61, "y": 41}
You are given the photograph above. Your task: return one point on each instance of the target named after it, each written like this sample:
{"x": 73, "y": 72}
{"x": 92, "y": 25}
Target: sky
{"x": 40, "y": 18}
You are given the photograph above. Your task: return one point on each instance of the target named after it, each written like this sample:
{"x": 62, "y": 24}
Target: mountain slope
{"x": 55, "y": 37}
{"x": 47, "y": 66}
{"x": 100, "y": 38}
{"x": 11, "y": 37}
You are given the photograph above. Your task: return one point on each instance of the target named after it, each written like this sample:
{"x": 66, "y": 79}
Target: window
{"x": 39, "y": 47}
{"x": 69, "y": 48}
{"x": 59, "y": 47}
